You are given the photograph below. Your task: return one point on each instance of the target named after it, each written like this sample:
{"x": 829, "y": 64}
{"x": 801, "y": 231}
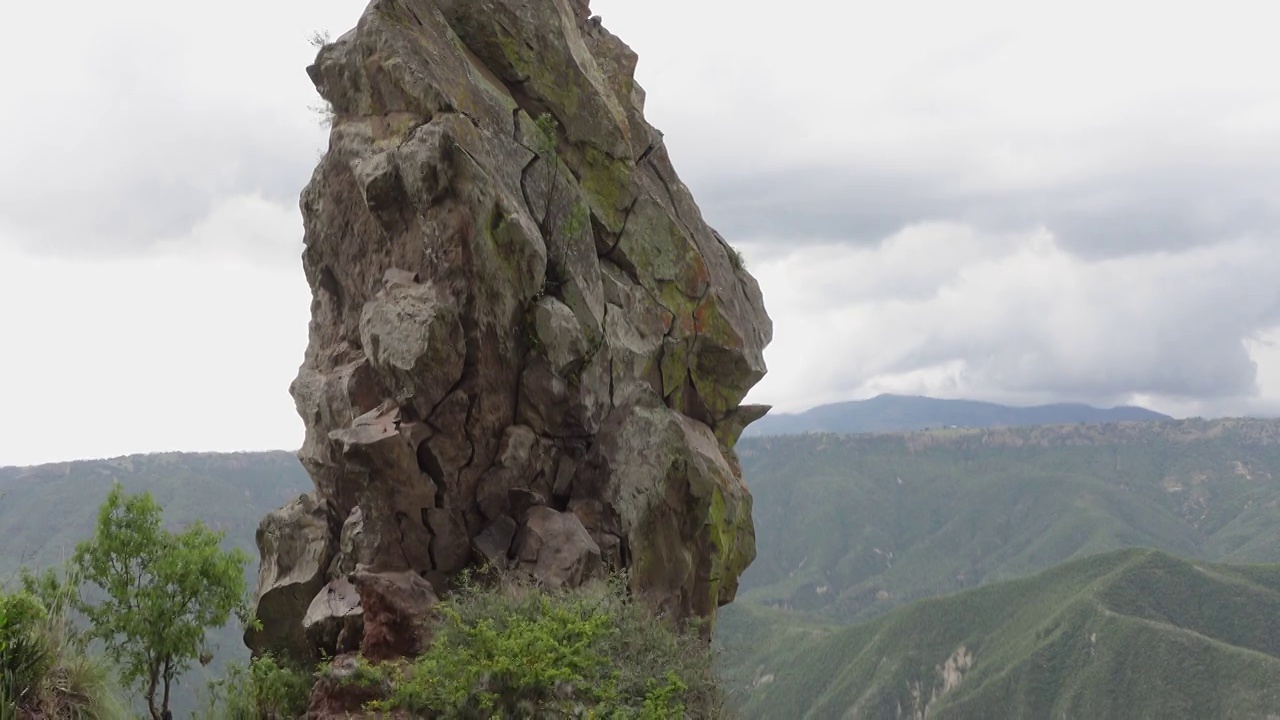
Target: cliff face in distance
{"x": 527, "y": 348}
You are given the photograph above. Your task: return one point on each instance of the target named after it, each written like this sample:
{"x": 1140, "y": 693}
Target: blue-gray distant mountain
{"x": 891, "y": 413}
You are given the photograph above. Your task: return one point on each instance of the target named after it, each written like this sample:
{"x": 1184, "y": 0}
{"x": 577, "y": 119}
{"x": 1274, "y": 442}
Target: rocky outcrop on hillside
{"x": 527, "y": 348}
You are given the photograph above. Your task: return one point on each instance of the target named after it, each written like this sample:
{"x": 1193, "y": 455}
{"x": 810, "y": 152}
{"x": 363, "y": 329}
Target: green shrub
{"x": 24, "y": 658}
{"x": 518, "y": 651}
{"x": 265, "y": 690}
{"x": 45, "y": 666}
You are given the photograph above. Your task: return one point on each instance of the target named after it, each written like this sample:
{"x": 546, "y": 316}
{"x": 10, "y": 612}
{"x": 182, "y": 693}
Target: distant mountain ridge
{"x": 47, "y": 509}
{"x": 849, "y": 527}
{"x": 891, "y": 413}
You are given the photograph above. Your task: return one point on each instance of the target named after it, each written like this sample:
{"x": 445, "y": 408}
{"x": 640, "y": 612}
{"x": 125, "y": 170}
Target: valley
{"x": 949, "y": 571}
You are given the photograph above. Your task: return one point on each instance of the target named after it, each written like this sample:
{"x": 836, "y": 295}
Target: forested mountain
{"x": 849, "y": 527}
{"x": 46, "y": 509}
{"x": 889, "y": 413}
{"x": 1126, "y": 634}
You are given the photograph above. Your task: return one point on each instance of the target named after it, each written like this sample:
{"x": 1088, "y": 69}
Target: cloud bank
{"x": 992, "y": 199}
{"x": 944, "y": 310}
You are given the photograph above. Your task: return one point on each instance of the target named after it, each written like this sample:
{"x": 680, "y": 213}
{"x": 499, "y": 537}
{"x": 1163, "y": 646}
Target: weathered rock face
{"x": 527, "y": 348}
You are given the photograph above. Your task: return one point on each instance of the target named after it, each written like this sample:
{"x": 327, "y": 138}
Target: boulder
{"x": 335, "y": 621}
{"x": 493, "y": 546}
{"x": 555, "y": 549}
{"x": 295, "y": 544}
{"x": 396, "y": 610}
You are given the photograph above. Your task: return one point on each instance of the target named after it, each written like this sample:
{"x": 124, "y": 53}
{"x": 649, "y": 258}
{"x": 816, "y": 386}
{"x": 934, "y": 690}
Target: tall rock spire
{"x": 527, "y": 348}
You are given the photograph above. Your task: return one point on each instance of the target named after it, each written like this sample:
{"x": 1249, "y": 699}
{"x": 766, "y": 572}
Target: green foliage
{"x": 24, "y": 659}
{"x": 45, "y": 667}
{"x": 516, "y": 651}
{"x": 850, "y": 528}
{"x": 161, "y": 592}
{"x": 47, "y": 510}
{"x": 898, "y": 413}
{"x": 544, "y": 143}
{"x": 265, "y": 690}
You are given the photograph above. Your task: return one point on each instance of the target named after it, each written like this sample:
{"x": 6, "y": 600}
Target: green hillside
{"x": 46, "y": 509}
{"x": 1128, "y": 634}
{"x": 849, "y": 527}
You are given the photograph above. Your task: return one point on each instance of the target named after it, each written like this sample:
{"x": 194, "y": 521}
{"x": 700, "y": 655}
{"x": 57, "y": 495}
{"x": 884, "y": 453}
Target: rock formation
{"x": 527, "y": 348}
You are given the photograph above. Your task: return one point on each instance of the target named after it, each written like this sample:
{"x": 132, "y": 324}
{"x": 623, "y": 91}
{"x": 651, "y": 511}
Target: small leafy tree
{"x": 161, "y": 592}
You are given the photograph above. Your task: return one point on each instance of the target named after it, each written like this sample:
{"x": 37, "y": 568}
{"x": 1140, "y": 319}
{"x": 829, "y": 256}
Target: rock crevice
{"x": 527, "y": 348}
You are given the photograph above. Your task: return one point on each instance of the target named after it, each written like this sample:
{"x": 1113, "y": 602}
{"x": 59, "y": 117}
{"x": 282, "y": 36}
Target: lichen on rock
{"x": 527, "y": 348}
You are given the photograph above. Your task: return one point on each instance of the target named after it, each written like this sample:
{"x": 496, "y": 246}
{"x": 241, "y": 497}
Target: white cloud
{"x": 943, "y": 310}
{"x": 245, "y": 226}
{"x": 189, "y": 348}
{"x": 129, "y": 121}
{"x": 994, "y": 198}
{"x": 840, "y": 81}
{"x": 1117, "y": 125}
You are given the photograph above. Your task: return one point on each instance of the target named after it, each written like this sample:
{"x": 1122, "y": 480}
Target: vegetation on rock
{"x": 513, "y": 650}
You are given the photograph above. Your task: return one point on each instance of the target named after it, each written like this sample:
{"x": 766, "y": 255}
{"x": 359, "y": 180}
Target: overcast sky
{"x": 987, "y": 199}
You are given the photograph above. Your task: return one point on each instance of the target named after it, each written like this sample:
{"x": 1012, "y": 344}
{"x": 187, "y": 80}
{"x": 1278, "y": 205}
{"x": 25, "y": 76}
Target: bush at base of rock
{"x": 265, "y": 690}
{"x": 514, "y": 650}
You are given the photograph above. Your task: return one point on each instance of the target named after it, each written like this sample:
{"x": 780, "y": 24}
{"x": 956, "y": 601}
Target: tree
{"x": 161, "y": 592}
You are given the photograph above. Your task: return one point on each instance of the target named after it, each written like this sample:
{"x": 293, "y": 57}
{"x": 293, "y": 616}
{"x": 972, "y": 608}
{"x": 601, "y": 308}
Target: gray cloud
{"x": 845, "y": 125}
{"x": 949, "y": 198}
{"x": 80, "y": 197}
{"x": 1130, "y": 210}
{"x": 1019, "y": 318}
{"x": 142, "y": 120}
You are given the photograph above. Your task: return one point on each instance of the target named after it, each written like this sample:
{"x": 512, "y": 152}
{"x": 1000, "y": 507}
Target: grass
{"x": 46, "y": 668}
